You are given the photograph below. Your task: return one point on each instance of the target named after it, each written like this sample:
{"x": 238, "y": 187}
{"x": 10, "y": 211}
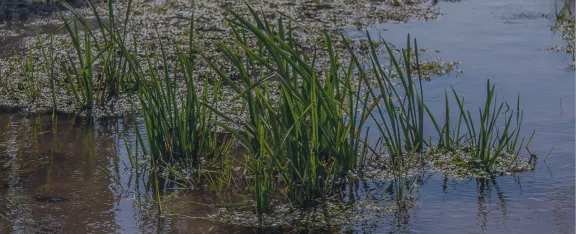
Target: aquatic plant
{"x": 488, "y": 141}
{"x": 399, "y": 108}
{"x": 307, "y": 125}
{"x": 29, "y": 75}
{"x": 312, "y": 132}
{"x": 487, "y": 137}
{"x": 80, "y": 75}
{"x": 178, "y": 125}
{"x": 113, "y": 73}
{"x": 49, "y": 68}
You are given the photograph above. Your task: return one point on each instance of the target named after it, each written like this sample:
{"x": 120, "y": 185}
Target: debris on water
{"x": 331, "y": 216}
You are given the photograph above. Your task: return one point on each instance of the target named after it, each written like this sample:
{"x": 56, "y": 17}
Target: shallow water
{"x": 506, "y": 42}
{"x": 79, "y": 181}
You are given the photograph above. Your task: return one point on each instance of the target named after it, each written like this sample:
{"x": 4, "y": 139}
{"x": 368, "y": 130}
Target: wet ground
{"x": 76, "y": 179}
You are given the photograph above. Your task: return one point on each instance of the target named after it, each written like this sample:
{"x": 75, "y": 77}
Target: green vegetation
{"x": 178, "y": 126}
{"x": 486, "y": 141}
{"x": 312, "y": 132}
{"x": 113, "y": 76}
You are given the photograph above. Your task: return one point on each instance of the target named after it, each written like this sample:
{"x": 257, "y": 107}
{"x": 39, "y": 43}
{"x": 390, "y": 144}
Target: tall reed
{"x": 29, "y": 75}
{"x": 313, "y": 131}
{"x": 178, "y": 125}
{"x": 113, "y": 68}
{"x": 50, "y": 69}
{"x": 489, "y": 141}
{"x": 398, "y": 107}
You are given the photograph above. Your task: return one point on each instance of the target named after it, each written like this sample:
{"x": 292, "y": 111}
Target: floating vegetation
{"x": 335, "y": 217}
{"x": 438, "y": 67}
{"x": 459, "y": 163}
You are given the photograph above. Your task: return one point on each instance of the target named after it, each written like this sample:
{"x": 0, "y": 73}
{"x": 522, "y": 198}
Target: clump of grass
{"x": 100, "y": 76}
{"x": 80, "y": 75}
{"x": 487, "y": 138}
{"x": 397, "y": 110}
{"x": 312, "y": 132}
{"x": 402, "y": 118}
{"x": 29, "y": 75}
{"x": 489, "y": 141}
{"x": 179, "y": 125}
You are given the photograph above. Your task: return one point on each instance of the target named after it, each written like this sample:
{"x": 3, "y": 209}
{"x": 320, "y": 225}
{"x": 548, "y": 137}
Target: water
{"x": 504, "y": 41}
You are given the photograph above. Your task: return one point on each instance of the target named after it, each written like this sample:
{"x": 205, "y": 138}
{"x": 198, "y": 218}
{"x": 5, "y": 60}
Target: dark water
{"x": 79, "y": 180}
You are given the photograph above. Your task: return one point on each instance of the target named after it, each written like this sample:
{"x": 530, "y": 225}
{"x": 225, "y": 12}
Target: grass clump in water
{"x": 306, "y": 136}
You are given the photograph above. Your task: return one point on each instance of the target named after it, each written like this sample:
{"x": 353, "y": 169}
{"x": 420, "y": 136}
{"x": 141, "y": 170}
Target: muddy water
{"x": 76, "y": 178}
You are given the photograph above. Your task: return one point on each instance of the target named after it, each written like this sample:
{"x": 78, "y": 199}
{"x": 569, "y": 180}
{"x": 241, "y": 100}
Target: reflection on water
{"x": 77, "y": 178}
{"x": 56, "y": 179}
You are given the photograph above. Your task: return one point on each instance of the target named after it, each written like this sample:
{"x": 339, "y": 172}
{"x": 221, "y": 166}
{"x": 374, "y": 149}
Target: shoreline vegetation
{"x": 306, "y": 115}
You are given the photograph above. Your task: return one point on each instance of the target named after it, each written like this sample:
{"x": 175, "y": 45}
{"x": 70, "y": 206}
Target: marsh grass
{"x": 398, "y": 107}
{"x": 178, "y": 127}
{"x": 312, "y": 132}
{"x": 29, "y": 76}
{"x": 495, "y": 132}
{"x": 301, "y": 141}
{"x": 178, "y": 124}
{"x": 307, "y": 126}
{"x": 80, "y": 76}
{"x": 102, "y": 70}
{"x": 49, "y": 67}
